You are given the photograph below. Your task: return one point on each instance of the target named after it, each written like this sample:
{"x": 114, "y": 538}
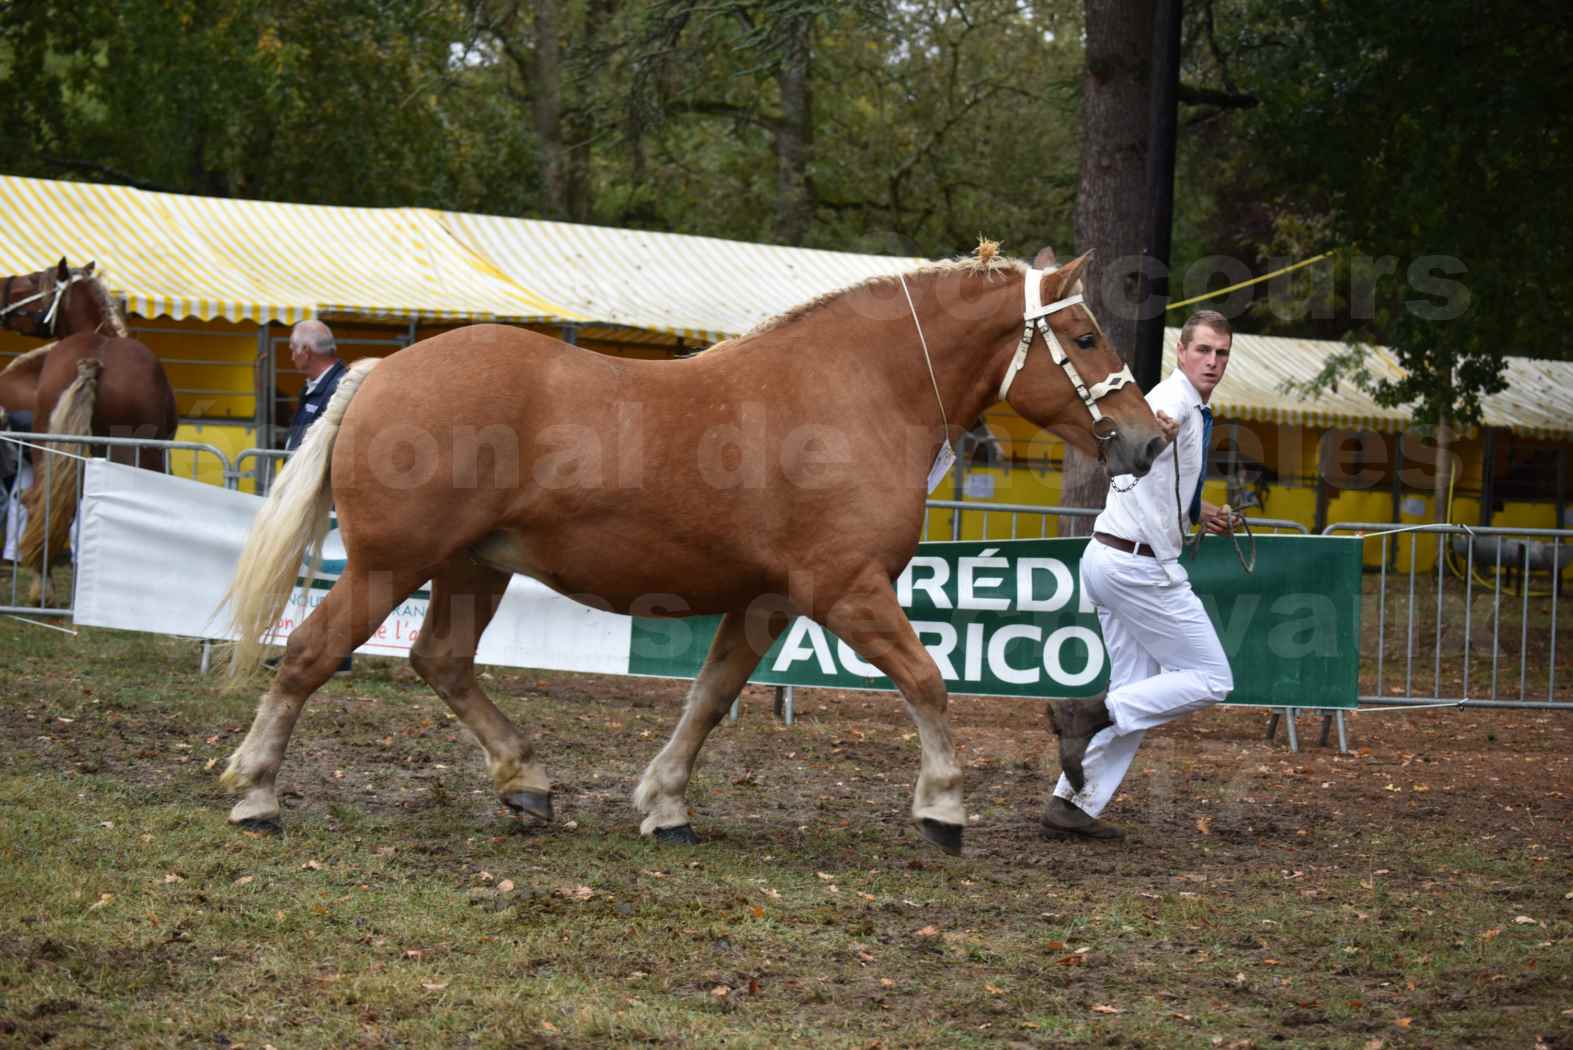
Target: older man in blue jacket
{"x": 313, "y": 351}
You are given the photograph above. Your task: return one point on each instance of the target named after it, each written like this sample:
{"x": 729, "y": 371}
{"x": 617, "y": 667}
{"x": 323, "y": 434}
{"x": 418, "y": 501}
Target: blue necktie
{"x": 1201, "y": 477}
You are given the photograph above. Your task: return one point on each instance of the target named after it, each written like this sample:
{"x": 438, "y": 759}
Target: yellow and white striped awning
{"x": 1261, "y": 367}
{"x": 701, "y": 289}
{"x": 241, "y": 260}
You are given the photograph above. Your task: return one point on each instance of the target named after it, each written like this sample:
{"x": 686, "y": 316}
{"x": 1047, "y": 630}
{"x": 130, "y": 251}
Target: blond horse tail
{"x": 55, "y": 475}
{"x": 288, "y": 531}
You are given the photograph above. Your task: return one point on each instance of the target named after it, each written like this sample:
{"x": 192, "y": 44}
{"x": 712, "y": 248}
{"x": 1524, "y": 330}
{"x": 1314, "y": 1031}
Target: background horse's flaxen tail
{"x": 55, "y": 477}
{"x": 293, "y": 522}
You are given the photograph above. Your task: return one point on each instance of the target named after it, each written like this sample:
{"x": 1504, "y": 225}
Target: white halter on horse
{"x": 1035, "y": 315}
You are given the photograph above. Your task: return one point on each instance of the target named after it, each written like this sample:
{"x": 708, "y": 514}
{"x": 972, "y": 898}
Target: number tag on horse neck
{"x": 942, "y": 465}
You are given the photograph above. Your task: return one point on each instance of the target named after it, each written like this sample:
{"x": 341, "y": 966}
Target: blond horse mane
{"x": 107, "y": 306}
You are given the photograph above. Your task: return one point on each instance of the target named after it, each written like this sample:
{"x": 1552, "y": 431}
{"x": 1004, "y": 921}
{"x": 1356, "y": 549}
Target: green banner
{"x": 1008, "y": 619}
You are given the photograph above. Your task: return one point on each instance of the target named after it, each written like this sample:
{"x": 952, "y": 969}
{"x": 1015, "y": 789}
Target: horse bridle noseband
{"x": 47, "y": 322}
{"x": 1036, "y": 315}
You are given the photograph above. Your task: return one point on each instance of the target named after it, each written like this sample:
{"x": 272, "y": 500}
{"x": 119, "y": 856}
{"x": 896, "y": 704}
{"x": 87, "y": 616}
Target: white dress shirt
{"x": 1144, "y": 510}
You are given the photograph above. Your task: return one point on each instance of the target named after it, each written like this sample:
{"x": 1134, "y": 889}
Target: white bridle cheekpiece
{"x": 1036, "y": 315}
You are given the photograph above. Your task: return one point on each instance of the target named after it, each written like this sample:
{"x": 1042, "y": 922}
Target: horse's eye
{"x": 1086, "y": 342}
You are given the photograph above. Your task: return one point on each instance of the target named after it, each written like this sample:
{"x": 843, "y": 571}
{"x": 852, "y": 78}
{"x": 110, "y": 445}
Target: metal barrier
{"x": 44, "y": 463}
{"x": 262, "y": 474}
{"x": 1525, "y": 566}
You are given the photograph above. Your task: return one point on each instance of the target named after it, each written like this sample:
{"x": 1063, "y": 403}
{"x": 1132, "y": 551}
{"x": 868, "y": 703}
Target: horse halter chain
{"x": 1036, "y": 315}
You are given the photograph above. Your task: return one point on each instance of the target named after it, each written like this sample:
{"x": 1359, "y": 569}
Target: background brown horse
{"x": 777, "y": 474}
{"x": 92, "y": 378}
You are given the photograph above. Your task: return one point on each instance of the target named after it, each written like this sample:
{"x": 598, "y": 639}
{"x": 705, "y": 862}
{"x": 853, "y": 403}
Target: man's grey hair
{"x": 1211, "y": 318}
{"x": 317, "y": 337}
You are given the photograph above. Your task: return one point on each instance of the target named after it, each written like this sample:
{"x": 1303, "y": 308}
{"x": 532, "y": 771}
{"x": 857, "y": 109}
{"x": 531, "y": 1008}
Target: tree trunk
{"x": 794, "y": 137}
{"x": 546, "y": 104}
{"x": 1111, "y": 201}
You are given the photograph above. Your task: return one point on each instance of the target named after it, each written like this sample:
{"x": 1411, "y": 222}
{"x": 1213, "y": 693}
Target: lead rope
{"x": 926, "y": 359}
{"x": 1247, "y": 562}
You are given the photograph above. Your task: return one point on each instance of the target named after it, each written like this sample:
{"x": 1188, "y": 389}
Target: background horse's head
{"x": 34, "y": 304}
{"x": 1113, "y": 420}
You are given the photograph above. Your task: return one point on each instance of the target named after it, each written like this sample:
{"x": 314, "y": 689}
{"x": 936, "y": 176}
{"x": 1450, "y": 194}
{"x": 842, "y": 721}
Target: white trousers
{"x": 1164, "y": 660}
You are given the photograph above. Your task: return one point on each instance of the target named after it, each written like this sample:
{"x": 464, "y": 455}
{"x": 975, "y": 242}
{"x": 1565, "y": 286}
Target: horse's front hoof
{"x": 946, "y": 836}
{"x": 681, "y": 835}
{"x": 264, "y": 825}
{"x": 537, "y": 804}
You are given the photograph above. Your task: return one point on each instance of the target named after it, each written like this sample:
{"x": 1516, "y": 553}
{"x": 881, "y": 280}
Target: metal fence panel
{"x": 1493, "y": 590}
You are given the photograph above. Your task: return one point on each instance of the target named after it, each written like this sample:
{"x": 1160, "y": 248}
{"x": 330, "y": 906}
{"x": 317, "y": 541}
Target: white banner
{"x": 157, "y": 553}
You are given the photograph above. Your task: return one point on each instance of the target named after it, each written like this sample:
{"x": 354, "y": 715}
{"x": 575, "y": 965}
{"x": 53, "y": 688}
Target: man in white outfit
{"x": 1164, "y": 656}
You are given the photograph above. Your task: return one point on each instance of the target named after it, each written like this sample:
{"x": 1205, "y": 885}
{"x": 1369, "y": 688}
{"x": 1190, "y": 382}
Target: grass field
{"x": 1415, "y": 893}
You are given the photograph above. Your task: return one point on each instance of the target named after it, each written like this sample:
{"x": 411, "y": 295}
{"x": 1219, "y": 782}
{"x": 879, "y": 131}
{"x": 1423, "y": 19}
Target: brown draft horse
{"x": 776, "y": 474}
{"x": 91, "y": 378}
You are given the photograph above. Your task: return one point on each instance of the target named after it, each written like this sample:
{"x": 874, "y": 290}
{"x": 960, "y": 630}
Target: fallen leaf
{"x": 244, "y": 880}
{"x": 1404, "y": 1022}
{"x": 210, "y": 763}
{"x": 1055, "y": 946}
{"x": 1375, "y": 1044}
{"x": 1491, "y": 934}
{"x": 1204, "y": 824}
{"x": 759, "y": 912}
{"x": 548, "y": 1028}
{"x": 103, "y": 899}
{"x": 578, "y": 893}
{"x": 929, "y": 931}
{"x": 414, "y": 953}
{"x": 886, "y": 982}
{"x": 172, "y": 877}
{"x": 823, "y": 875}
{"x": 311, "y": 865}
{"x": 434, "y": 986}
{"x": 993, "y": 989}
{"x": 1101, "y": 1008}
{"x": 505, "y": 886}
{"x": 1525, "y": 920}
{"x": 864, "y": 956}
{"x": 720, "y": 991}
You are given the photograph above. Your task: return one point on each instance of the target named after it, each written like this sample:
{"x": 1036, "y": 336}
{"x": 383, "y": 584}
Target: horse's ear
{"x": 1070, "y": 275}
{"x": 87, "y": 271}
{"x": 62, "y": 271}
{"x": 1045, "y": 259}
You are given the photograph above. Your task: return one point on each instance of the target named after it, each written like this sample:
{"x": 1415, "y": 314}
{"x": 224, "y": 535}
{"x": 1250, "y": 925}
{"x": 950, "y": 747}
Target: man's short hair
{"x": 1211, "y": 318}
{"x": 318, "y": 337}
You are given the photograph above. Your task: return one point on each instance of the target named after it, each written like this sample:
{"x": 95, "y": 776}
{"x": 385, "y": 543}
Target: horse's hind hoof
{"x": 262, "y": 825}
{"x": 537, "y": 804}
{"x": 681, "y": 835}
{"x": 946, "y": 836}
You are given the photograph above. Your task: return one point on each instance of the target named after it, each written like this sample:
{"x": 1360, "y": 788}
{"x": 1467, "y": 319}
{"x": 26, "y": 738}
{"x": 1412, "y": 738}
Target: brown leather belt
{"x": 1128, "y": 546}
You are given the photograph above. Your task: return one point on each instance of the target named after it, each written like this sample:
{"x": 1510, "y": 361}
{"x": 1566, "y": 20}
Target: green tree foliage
{"x": 1426, "y": 144}
{"x": 322, "y": 101}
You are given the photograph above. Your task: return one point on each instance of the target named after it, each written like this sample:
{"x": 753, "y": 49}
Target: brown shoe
{"x": 1077, "y": 722}
{"x": 1062, "y": 820}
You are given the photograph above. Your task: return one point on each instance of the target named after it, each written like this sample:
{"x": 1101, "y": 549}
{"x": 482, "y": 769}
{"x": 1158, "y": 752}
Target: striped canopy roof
{"x": 180, "y": 256}
{"x": 701, "y": 289}
{"x": 204, "y": 257}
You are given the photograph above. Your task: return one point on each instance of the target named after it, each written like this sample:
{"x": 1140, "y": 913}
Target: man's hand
{"x": 1167, "y": 426}
{"x": 1216, "y": 519}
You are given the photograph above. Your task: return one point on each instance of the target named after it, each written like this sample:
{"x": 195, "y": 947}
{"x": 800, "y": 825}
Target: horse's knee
{"x": 448, "y": 675}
